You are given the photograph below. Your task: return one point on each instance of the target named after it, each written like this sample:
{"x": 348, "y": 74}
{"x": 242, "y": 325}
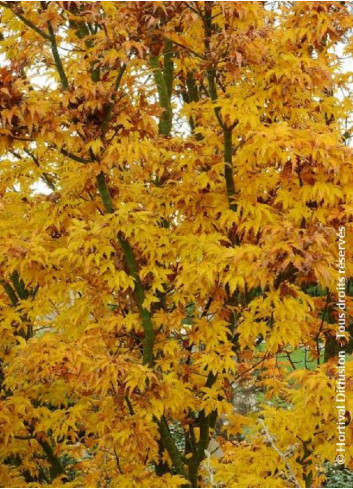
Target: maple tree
{"x": 194, "y": 168}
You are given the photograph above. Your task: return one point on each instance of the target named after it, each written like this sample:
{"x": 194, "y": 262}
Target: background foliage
{"x": 173, "y": 176}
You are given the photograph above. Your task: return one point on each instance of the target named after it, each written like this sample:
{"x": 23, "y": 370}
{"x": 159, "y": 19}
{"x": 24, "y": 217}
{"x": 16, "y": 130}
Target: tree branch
{"x": 110, "y": 106}
{"x": 10, "y": 292}
{"x": 172, "y": 450}
{"x": 292, "y": 478}
{"x": 198, "y": 55}
{"x": 164, "y": 94}
{"x": 228, "y": 169}
{"x": 28, "y": 22}
{"x": 74, "y": 157}
{"x": 56, "y": 56}
{"x": 132, "y": 266}
{"x": 56, "y": 466}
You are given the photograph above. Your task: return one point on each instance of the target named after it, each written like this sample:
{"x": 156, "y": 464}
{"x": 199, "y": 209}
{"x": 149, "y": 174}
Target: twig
{"x": 292, "y": 478}
{"x": 198, "y": 55}
{"x": 26, "y": 21}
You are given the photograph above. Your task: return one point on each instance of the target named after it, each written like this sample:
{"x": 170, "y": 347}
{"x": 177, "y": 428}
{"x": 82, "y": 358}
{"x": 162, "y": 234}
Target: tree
{"x": 181, "y": 245}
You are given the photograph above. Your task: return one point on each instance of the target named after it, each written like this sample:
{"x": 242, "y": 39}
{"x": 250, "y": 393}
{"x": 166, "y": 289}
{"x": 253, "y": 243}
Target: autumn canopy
{"x": 173, "y": 176}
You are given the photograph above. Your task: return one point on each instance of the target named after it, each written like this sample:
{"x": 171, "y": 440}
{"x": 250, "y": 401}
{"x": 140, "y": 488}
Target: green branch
{"x": 168, "y": 66}
{"x": 10, "y": 292}
{"x": 172, "y": 449}
{"x": 83, "y": 30}
{"x": 28, "y": 22}
{"x": 56, "y": 56}
{"x": 127, "y": 250}
{"x": 49, "y": 37}
{"x": 228, "y": 168}
{"x": 139, "y": 293}
{"x": 57, "y": 467}
{"x": 109, "y": 108}
{"x": 191, "y": 95}
{"x": 74, "y": 157}
{"x": 104, "y": 193}
{"x": 19, "y": 285}
{"x": 44, "y": 176}
{"x": 213, "y": 94}
{"x": 205, "y": 423}
{"x": 164, "y": 84}
{"x": 227, "y": 131}
{"x": 132, "y": 266}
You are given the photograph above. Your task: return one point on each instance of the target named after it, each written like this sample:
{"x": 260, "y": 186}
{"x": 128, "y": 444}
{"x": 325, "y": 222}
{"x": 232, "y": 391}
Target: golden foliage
{"x": 173, "y": 175}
